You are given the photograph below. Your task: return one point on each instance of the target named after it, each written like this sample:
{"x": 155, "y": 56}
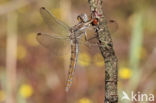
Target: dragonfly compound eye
{"x": 83, "y": 18}
{"x": 79, "y": 19}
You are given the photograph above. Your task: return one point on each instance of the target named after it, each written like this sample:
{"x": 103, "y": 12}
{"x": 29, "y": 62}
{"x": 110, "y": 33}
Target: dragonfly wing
{"x": 112, "y": 25}
{"x": 90, "y": 56}
{"x": 53, "y": 43}
{"x": 89, "y": 53}
{"x": 56, "y": 25}
{"x": 91, "y": 36}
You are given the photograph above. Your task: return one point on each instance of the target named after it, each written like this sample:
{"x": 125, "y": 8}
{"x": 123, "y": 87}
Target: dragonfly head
{"x": 82, "y": 18}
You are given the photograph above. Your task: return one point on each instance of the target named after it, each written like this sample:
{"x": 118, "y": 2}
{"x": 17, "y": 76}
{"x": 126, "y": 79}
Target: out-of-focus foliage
{"x": 45, "y": 72}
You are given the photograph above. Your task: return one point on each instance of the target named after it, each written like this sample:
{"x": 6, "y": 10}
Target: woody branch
{"x": 108, "y": 53}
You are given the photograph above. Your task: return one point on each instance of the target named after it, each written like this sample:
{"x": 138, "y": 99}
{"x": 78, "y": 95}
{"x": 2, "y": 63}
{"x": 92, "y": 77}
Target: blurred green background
{"x": 29, "y": 73}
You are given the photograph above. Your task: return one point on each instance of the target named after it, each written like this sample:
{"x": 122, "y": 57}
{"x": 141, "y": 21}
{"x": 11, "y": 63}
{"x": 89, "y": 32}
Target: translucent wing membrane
{"x": 53, "y": 43}
{"x": 112, "y": 26}
{"x": 59, "y": 47}
{"x": 56, "y": 25}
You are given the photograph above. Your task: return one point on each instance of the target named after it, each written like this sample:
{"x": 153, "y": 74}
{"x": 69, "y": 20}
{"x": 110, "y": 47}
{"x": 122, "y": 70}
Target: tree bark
{"x": 108, "y": 53}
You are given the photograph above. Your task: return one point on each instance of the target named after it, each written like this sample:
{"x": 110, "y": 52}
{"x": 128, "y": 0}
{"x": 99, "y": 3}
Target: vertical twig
{"x": 11, "y": 57}
{"x": 107, "y": 51}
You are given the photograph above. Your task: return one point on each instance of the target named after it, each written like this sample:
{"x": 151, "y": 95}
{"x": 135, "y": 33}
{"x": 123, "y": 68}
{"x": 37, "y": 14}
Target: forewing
{"x": 56, "y": 25}
{"x": 53, "y": 43}
{"x": 112, "y": 25}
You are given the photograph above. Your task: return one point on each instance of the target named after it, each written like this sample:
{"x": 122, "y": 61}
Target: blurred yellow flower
{"x": 26, "y": 90}
{"x": 84, "y": 59}
{"x": 2, "y": 96}
{"x": 84, "y": 100}
{"x": 125, "y": 73}
{"x": 31, "y": 39}
{"x": 98, "y": 60}
{"x": 21, "y": 52}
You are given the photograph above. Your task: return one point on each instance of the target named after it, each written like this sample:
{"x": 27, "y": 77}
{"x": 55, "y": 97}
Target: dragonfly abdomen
{"x": 73, "y": 61}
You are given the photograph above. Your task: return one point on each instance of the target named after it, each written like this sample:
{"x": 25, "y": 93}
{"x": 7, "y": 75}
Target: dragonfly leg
{"x": 89, "y": 43}
{"x": 85, "y": 36}
{"x": 89, "y": 39}
{"x": 92, "y": 38}
{"x": 86, "y": 39}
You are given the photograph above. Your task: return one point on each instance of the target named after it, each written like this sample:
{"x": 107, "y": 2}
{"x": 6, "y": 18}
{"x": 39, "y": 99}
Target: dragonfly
{"x": 62, "y": 31}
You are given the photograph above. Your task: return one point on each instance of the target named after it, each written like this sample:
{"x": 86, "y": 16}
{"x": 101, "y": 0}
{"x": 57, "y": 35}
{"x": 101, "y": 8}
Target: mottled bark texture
{"x": 107, "y": 51}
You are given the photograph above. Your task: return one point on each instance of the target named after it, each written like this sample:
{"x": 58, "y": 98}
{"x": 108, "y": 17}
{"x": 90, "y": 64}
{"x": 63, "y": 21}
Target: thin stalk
{"x": 135, "y": 48}
{"x": 11, "y": 51}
